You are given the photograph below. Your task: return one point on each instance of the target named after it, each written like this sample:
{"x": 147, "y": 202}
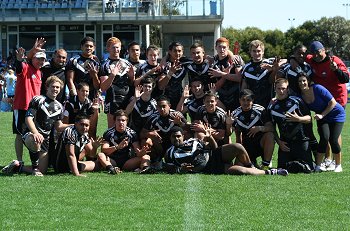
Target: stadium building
{"x": 63, "y": 23}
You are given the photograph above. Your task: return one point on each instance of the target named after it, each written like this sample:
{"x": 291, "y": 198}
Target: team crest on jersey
{"x": 33, "y": 76}
{"x": 241, "y": 118}
{"x": 277, "y": 107}
{"x": 289, "y": 103}
{"x": 324, "y": 74}
{"x": 56, "y": 108}
{"x": 252, "y": 116}
{"x": 251, "y": 69}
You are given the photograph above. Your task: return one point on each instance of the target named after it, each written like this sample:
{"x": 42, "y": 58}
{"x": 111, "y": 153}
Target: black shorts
{"x": 253, "y": 147}
{"x": 18, "y": 121}
{"x": 299, "y": 150}
{"x": 215, "y": 164}
{"x": 44, "y": 146}
{"x": 120, "y": 160}
{"x": 113, "y": 106}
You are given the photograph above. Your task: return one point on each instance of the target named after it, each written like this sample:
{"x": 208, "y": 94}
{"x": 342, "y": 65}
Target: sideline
{"x": 193, "y": 219}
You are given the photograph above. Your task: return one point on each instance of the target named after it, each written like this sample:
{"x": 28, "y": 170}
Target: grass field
{"x": 172, "y": 202}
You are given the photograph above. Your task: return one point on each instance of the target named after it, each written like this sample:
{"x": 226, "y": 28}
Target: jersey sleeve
{"x": 69, "y": 138}
{"x": 33, "y": 106}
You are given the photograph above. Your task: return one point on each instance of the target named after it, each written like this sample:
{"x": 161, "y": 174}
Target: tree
{"x": 334, "y": 33}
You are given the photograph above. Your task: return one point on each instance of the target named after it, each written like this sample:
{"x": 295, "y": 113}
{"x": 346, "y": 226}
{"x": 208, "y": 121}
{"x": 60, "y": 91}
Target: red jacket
{"x": 28, "y": 85}
{"x": 322, "y": 74}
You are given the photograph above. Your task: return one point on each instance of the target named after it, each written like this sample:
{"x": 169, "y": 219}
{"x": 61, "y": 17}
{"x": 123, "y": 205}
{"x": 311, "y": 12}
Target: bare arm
{"x": 72, "y": 161}
{"x": 93, "y": 70}
{"x": 61, "y": 126}
{"x": 132, "y": 103}
{"x": 38, "y": 138}
{"x": 331, "y": 104}
{"x": 70, "y": 83}
{"x": 180, "y": 105}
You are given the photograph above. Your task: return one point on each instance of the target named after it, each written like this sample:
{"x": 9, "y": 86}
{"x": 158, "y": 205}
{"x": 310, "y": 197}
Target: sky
{"x": 280, "y": 14}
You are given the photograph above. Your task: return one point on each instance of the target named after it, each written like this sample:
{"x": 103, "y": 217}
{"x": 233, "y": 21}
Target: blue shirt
{"x": 322, "y": 98}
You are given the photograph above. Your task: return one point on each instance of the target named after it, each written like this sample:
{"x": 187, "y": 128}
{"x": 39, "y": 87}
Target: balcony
{"x": 127, "y": 11}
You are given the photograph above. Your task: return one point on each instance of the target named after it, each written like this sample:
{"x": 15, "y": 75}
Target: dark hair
{"x": 246, "y": 93}
{"x": 196, "y": 45}
{"x": 196, "y": 79}
{"x": 163, "y": 98}
{"x": 303, "y": 74}
{"x": 148, "y": 80}
{"x": 152, "y": 47}
{"x": 120, "y": 112}
{"x": 87, "y": 39}
{"x": 81, "y": 116}
{"x": 133, "y": 44}
{"x": 174, "y": 44}
{"x": 299, "y": 46}
{"x": 82, "y": 84}
{"x": 176, "y": 129}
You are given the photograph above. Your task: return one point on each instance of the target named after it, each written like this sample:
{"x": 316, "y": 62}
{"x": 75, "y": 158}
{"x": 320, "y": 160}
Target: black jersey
{"x": 292, "y": 75}
{"x": 257, "y": 80}
{"x": 121, "y": 84}
{"x": 217, "y": 119}
{"x": 45, "y": 113}
{"x": 200, "y": 71}
{"x": 141, "y": 112}
{"x": 136, "y": 65}
{"x": 193, "y": 104}
{"x": 50, "y": 69}
{"x": 79, "y": 64}
{"x": 289, "y": 131}
{"x": 113, "y": 137}
{"x": 143, "y": 69}
{"x": 174, "y": 88}
{"x": 163, "y": 125}
{"x": 229, "y": 92}
{"x": 73, "y": 107}
{"x": 191, "y": 152}
{"x": 245, "y": 120}
{"x": 70, "y": 136}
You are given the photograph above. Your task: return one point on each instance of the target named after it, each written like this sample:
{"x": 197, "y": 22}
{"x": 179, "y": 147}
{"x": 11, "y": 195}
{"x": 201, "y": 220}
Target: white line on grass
{"x": 193, "y": 205}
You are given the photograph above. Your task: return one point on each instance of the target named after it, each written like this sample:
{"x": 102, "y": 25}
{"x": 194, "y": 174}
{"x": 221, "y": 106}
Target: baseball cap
{"x": 40, "y": 54}
{"x": 315, "y": 46}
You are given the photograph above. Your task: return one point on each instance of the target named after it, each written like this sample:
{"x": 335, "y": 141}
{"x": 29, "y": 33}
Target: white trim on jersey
{"x": 250, "y": 76}
{"x": 277, "y": 114}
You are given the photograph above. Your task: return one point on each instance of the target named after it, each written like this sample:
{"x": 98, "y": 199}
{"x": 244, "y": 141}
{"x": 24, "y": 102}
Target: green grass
{"x": 172, "y": 202}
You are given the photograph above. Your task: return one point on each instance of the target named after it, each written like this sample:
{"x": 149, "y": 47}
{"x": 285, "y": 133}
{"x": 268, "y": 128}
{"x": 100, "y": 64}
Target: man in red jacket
{"x": 28, "y": 85}
{"x": 329, "y": 71}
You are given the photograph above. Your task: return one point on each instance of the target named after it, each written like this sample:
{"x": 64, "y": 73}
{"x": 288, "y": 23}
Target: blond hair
{"x": 53, "y": 79}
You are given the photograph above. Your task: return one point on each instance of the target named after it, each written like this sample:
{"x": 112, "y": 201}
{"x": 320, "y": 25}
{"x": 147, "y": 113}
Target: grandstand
{"x": 64, "y": 22}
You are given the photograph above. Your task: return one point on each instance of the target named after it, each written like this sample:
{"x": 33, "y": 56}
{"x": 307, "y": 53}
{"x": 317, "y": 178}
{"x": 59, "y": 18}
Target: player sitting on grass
{"x": 73, "y": 145}
{"x": 194, "y": 156}
{"x": 117, "y": 148}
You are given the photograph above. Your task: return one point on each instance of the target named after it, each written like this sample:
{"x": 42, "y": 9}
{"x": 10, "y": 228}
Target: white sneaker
{"x": 327, "y": 162}
{"x": 319, "y": 168}
{"x": 331, "y": 166}
{"x": 338, "y": 168}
